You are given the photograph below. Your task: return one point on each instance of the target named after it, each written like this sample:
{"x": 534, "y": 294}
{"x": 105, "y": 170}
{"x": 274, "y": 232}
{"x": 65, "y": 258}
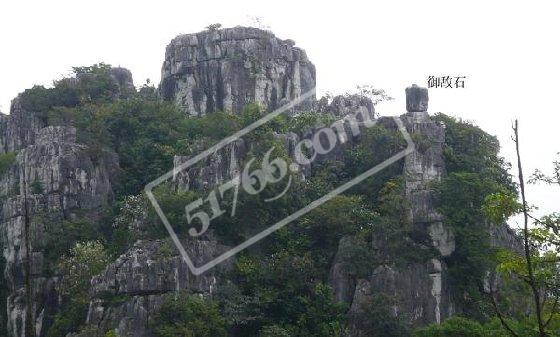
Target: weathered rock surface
{"x": 123, "y": 79}
{"x": 416, "y": 99}
{"x": 216, "y": 168}
{"x": 343, "y": 105}
{"x": 420, "y": 290}
{"x": 18, "y": 129}
{"x": 228, "y": 68}
{"x": 141, "y": 277}
{"x": 53, "y": 177}
{"x": 340, "y": 279}
{"x": 505, "y": 237}
{"x": 420, "y": 294}
{"x": 422, "y": 168}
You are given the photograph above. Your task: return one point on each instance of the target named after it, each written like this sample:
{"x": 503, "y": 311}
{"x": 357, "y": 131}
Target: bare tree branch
{"x": 499, "y": 313}
{"x": 554, "y": 306}
{"x": 528, "y": 258}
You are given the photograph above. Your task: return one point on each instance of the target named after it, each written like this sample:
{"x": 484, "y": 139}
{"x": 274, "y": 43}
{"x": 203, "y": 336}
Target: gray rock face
{"x": 343, "y": 105}
{"x": 123, "y": 78}
{"x": 228, "y": 68}
{"x": 18, "y": 129}
{"x": 419, "y": 291}
{"x": 342, "y": 282}
{"x": 141, "y": 277}
{"x": 218, "y": 167}
{"x": 416, "y": 99}
{"x": 505, "y": 237}
{"x": 56, "y": 178}
{"x": 422, "y": 168}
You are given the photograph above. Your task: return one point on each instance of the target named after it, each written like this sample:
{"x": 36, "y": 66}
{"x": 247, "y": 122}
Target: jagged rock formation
{"x": 422, "y": 168}
{"x": 343, "y": 105}
{"x": 19, "y": 128}
{"x": 141, "y": 277}
{"x": 420, "y": 290}
{"x": 123, "y": 79}
{"x": 228, "y": 68}
{"x": 222, "y": 165}
{"x": 52, "y": 179}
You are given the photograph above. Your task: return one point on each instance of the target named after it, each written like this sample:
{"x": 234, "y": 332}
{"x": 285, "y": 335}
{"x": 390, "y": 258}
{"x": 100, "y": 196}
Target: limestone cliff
{"x": 228, "y": 68}
{"x": 53, "y": 178}
{"x": 140, "y": 278}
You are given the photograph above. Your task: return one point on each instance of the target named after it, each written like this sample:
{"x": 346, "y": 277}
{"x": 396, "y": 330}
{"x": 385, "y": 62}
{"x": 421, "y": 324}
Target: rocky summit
{"x": 84, "y": 254}
{"x": 228, "y": 68}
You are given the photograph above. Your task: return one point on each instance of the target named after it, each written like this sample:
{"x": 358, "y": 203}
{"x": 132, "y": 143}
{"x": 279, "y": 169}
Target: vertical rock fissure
{"x": 27, "y": 265}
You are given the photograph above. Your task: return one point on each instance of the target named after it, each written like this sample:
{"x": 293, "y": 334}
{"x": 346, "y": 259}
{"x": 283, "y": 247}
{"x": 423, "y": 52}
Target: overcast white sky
{"x": 507, "y": 49}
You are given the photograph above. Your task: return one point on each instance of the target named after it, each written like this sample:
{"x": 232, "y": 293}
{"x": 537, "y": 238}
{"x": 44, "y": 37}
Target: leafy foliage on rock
{"x": 6, "y": 160}
{"x": 188, "y": 316}
{"x": 475, "y": 175}
{"x": 85, "y": 260}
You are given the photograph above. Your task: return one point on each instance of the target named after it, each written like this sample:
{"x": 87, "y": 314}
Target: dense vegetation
{"x": 279, "y": 288}
{"x": 189, "y": 316}
{"x": 474, "y": 172}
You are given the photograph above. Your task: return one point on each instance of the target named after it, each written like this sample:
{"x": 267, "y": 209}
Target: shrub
{"x": 69, "y": 319}
{"x": 6, "y": 160}
{"x": 36, "y": 187}
{"x": 188, "y": 316}
{"x": 111, "y": 333}
{"x": 274, "y": 331}
{"x": 63, "y": 235}
{"x": 78, "y": 267}
{"x": 462, "y": 327}
{"x": 84, "y": 261}
{"x": 377, "y": 319}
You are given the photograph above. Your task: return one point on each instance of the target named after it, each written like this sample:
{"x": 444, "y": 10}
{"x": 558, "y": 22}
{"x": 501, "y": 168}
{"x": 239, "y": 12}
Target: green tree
{"x": 475, "y": 175}
{"x": 461, "y": 327}
{"x": 83, "y": 261}
{"x": 376, "y": 318}
{"x": 188, "y": 316}
{"x": 537, "y": 267}
{"x": 274, "y": 331}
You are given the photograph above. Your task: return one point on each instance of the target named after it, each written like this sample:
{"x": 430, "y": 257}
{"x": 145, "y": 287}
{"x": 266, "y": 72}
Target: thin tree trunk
{"x": 499, "y": 314}
{"x": 532, "y": 282}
